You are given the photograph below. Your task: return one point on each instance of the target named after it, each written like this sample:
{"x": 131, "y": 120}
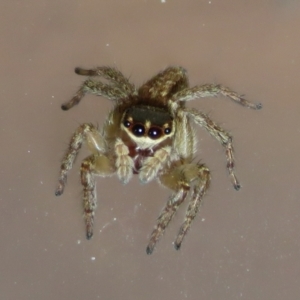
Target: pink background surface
{"x": 242, "y": 245}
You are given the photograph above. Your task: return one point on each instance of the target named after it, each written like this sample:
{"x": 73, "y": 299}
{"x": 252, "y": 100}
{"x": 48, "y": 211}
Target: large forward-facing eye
{"x": 138, "y": 130}
{"x": 154, "y": 133}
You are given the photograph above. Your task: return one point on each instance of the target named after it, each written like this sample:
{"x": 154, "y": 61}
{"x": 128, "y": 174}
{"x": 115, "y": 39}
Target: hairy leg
{"x": 110, "y": 74}
{"x": 198, "y": 192}
{"x": 181, "y": 179}
{"x": 221, "y": 135}
{"x": 96, "y": 164}
{"x": 85, "y": 132}
{"x": 89, "y": 193}
{"x": 212, "y": 90}
{"x": 98, "y": 88}
{"x": 165, "y": 218}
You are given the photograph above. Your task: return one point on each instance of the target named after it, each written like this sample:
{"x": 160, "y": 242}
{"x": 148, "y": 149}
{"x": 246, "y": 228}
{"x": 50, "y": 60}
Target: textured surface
{"x": 243, "y": 245}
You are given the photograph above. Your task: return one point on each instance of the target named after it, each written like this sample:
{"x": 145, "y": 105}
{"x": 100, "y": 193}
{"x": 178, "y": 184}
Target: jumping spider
{"x": 148, "y": 133}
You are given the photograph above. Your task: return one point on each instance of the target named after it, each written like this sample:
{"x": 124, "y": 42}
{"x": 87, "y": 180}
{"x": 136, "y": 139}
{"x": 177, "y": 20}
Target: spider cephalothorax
{"x": 148, "y": 133}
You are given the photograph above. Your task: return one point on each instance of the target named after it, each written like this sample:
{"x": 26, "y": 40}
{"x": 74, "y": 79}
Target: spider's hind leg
{"x": 108, "y": 73}
{"x": 213, "y": 90}
{"x": 118, "y": 86}
{"x": 111, "y": 74}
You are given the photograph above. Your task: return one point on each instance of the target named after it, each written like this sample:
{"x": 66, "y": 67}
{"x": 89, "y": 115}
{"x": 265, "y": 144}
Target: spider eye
{"x": 167, "y": 130}
{"x": 138, "y": 130}
{"x": 154, "y": 133}
{"x": 127, "y": 123}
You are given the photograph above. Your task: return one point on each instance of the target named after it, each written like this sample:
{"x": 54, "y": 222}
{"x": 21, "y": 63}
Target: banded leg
{"x": 181, "y": 179}
{"x": 89, "y": 193}
{"x": 221, "y": 135}
{"x": 165, "y": 218}
{"x": 98, "y": 88}
{"x": 110, "y": 74}
{"x": 198, "y": 192}
{"x": 119, "y": 88}
{"x": 83, "y": 132}
{"x": 212, "y": 90}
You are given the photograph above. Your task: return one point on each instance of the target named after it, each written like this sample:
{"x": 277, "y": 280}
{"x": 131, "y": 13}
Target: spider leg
{"x": 198, "y": 192}
{"x": 181, "y": 179}
{"x": 85, "y": 132}
{"x": 212, "y": 90}
{"x": 69, "y": 158}
{"x": 96, "y": 164}
{"x": 221, "y": 135}
{"x": 119, "y": 88}
{"x": 165, "y": 218}
{"x": 89, "y": 193}
{"x": 110, "y": 74}
{"x": 98, "y": 88}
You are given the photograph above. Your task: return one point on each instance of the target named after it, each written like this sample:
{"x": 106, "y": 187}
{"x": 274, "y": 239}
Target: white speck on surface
{"x": 136, "y": 207}
{"x": 107, "y": 224}
{"x": 93, "y": 258}
{"x": 78, "y": 242}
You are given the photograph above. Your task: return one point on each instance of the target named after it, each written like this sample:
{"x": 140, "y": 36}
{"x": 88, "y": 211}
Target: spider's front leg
{"x": 182, "y": 179}
{"x": 96, "y": 164}
{"x": 85, "y": 132}
{"x": 89, "y": 193}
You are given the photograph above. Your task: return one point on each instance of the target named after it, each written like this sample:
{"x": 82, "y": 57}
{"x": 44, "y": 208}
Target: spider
{"x": 148, "y": 133}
